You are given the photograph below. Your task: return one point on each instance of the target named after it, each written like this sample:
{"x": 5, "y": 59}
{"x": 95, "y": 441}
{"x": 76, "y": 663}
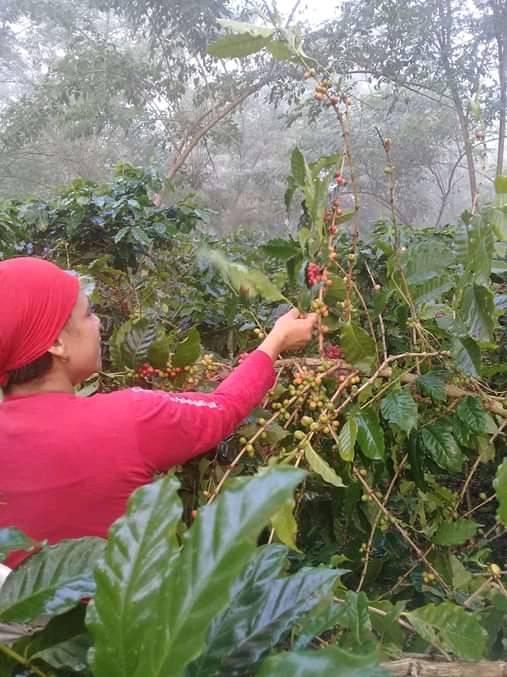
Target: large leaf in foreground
{"x": 69, "y": 654}
{"x": 216, "y": 549}
{"x": 451, "y": 627}
{"x": 261, "y": 612}
{"x": 331, "y": 661}
{"x": 51, "y": 581}
{"x": 140, "y": 549}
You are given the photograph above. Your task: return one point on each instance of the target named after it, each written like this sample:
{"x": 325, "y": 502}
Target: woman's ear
{"x": 58, "y": 349}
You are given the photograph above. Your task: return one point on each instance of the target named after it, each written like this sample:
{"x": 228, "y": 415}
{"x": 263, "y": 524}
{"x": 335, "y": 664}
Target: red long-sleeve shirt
{"x": 68, "y": 464}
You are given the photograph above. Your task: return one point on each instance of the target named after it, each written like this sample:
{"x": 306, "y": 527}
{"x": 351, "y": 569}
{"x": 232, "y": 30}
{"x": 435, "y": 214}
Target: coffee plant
{"x": 359, "y": 514}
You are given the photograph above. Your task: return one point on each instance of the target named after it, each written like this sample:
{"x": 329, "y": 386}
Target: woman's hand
{"x": 291, "y": 331}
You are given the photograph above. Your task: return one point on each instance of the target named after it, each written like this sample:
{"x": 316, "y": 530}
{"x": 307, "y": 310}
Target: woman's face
{"x": 81, "y": 341}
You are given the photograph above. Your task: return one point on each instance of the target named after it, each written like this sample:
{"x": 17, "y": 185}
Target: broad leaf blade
{"x": 188, "y": 351}
{"x": 370, "y": 435}
{"x": 454, "y": 628}
{"x": 479, "y": 312}
{"x": 400, "y": 409}
{"x": 330, "y": 661}
{"x": 472, "y": 415}
{"x": 71, "y": 654}
{"x": 322, "y": 467}
{"x": 439, "y": 440}
{"x": 358, "y": 347}
{"x": 347, "y": 440}
{"x": 467, "y": 356}
{"x": 455, "y": 533}
{"x": 237, "y": 46}
{"x": 51, "y": 581}
{"x": 285, "y": 525}
{"x": 140, "y": 552}
{"x": 259, "y": 616}
{"x": 216, "y": 549}
{"x": 433, "y": 384}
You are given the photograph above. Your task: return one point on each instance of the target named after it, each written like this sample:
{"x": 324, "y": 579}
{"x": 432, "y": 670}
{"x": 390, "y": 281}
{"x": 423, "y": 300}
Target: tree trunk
{"x": 415, "y": 667}
{"x": 444, "y": 38}
{"x": 501, "y": 32}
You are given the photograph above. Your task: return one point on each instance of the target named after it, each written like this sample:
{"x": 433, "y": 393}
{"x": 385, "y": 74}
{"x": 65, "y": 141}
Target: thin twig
{"x": 385, "y": 500}
{"x": 13, "y": 655}
{"x": 402, "y": 531}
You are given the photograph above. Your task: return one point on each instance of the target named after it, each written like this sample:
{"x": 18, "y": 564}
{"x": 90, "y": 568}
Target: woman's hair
{"x": 30, "y": 372}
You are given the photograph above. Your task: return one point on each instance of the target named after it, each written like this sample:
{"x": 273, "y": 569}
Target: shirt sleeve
{"x": 172, "y": 428}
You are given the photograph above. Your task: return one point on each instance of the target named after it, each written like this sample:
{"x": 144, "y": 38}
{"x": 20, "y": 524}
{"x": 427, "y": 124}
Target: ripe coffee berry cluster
{"x": 147, "y": 371}
{"x": 332, "y": 352}
{"x": 313, "y": 274}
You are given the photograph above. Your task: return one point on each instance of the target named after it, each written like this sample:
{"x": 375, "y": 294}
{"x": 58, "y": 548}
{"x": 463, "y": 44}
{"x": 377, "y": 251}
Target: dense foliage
{"x": 391, "y": 541}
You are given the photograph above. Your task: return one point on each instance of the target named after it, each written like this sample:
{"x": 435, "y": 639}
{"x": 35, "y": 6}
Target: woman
{"x": 68, "y": 464}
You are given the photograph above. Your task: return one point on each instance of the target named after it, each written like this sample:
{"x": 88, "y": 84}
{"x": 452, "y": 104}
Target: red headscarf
{"x": 36, "y": 300}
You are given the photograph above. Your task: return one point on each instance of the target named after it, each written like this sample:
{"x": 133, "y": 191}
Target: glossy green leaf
{"x": 478, "y": 312}
{"x": 188, "y": 351}
{"x": 453, "y": 628}
{"x": 299, "y": 167}
{"x": 325, "y": 163}
{"x": 432, "y": 289}
{"x": 439, "y": 440}
{"x": 325, "y": 617}
{"x": 158, "y": 353}
{"x": 71, "y": 654}
{"x": 472, "y": 415}
{"x": 321, "y": 467}
{"x": 140, "y": 236}
{"x": 264, "y": 287}
{"x": 14, "y": 539}
{"x": 51, "y": 581}
{"x": 355, "y": 618}
{"x": 137, "y": 342}
{"x": 455, "y": 532}
{"x": 280, "y": 50}
{"x": 400, "y": 409}
{"x": 467, "y": 356}
{"x": 285, "y": 525}
{"x": 358, "y": 347}
{"x": 387, "y": 627}
{"x": 432, "y": 384}
{"x": 237, "y": 46}
{"x": 370, "y": 435}
{"x": 500, "y": 485}
{"x": 244, "y": 281}
{"x": 427, "y": 261}
{"x": 261, "y": 613}
{"x": 330, "y": 661}
{"x": 347, "y": 440}
{"x": 141, "y": 550}
{"x": 281, "y": 249}
{"x": 216, "y": 549}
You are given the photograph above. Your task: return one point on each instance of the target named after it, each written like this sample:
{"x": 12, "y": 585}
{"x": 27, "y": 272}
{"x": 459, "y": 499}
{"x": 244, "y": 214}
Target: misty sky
{"x": 315, "y": 11}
